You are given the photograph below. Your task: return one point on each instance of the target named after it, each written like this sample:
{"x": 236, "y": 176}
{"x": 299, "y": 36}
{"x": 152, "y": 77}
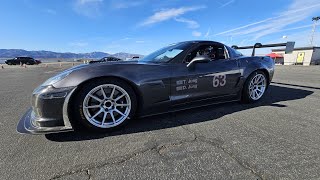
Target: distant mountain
{"x": 10, "y": 53}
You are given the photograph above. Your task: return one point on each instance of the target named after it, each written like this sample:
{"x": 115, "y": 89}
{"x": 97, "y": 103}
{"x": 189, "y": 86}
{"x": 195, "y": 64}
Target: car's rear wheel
{"x": 104, "y": 105}
{"x": 255, "y": 87}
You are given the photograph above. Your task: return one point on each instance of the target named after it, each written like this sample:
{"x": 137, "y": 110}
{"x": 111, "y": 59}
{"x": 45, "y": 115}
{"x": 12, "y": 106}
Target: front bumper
{"x": 49, "y": 112}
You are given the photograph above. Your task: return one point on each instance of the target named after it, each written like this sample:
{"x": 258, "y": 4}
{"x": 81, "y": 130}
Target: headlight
{"x": 56, "y": 78}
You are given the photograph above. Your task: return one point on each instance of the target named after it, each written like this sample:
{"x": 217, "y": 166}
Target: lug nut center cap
{"x": 108, "y": 104}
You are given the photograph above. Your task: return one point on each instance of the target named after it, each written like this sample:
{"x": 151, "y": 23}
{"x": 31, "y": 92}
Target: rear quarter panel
{"x": 250, "y": 64}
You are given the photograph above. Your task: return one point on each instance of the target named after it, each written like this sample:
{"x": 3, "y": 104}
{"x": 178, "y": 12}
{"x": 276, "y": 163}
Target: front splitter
{"x": 25, "y": 126}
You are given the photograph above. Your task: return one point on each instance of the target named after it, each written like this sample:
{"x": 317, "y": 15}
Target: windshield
{"x": 166, "y": 54}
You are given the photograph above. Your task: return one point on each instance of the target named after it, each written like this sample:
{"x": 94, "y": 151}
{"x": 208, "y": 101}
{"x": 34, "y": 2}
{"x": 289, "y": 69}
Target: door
{"x": 22, "y": 60}
{"x": 211, "y": 80}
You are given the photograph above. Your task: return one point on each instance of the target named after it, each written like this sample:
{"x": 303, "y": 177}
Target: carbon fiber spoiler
{"x": 289, "y": 47}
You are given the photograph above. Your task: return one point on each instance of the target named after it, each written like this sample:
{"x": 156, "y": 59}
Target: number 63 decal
{"x": 219, "y": 80}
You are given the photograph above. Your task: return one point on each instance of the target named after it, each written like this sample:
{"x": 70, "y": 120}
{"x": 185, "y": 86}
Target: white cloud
{"x": 167, "y": 14}
{"x": 208, "y": 33}
{"x": 196, "y": 33}
{"x": 126, "y": 38}
{"x": 139, "y": 41}
{"x": 227, "y": 3}
{"x": 296, "y": 12}
{"x": 89, "y": 8}
{"x": 301, "y": 38}
{"x": 191, "y": 23}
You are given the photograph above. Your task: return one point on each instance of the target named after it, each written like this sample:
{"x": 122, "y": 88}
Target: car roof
{"x": 198, "y": 41}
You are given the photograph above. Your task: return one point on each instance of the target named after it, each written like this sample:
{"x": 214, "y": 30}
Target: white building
{"x": 300, "y": 56}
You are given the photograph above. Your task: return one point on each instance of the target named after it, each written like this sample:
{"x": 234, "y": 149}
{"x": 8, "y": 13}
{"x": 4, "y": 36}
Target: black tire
{"x": 246, "y": 98}
{"x": 78, "y": 119}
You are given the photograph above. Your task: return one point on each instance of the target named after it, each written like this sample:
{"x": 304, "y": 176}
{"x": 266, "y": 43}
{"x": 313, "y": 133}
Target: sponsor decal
{"x": 185, "y": 84}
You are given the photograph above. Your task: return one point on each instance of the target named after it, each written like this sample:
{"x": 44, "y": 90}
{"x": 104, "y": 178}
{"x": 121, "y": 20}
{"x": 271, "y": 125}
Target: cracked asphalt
{"x": 276, "y": 138}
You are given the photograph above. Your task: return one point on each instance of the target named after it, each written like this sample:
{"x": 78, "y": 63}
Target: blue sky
{"x": 142, "y": 26}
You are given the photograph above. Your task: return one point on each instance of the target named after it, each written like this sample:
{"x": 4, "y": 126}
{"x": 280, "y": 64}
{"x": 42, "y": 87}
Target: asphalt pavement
{"x": 276, "y": 138}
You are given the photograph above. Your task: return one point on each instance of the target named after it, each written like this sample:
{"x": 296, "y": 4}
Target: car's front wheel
{"x": 255, "y": 87}
{"x": 104, "y": 105}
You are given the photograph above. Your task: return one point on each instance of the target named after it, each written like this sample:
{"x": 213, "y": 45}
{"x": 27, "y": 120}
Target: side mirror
{"x": 198, "y": 59}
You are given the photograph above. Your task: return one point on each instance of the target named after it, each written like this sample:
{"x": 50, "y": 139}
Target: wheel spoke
{"x": 96, "y": 98}
{"x": 119, "y": 97}
{"x": 90, "y": 107}
{"x": 257, "y": 94}
{"x": 251, "y": 93}
{"x": 100, "y": 111}
{"x": 260, "y": 90}
{"x": 112, "y": 93}
{"x": 119, "y": 112}
{"x": 112, "y": 116}
{"x": 104, "y": 117}
{"x": 103, "y": 93}
{"x": 260, "y": 81}
{"x": 122, "y": 105}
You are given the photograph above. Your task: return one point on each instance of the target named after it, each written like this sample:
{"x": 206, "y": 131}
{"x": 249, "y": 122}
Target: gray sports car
{"x": 105, "y": 96}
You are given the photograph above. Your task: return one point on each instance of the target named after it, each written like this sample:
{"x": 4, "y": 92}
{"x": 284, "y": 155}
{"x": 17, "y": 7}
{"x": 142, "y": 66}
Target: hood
{"x": 108, "y": 63}
{"x": 114, "y": 62}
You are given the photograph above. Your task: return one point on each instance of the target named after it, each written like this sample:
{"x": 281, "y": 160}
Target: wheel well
{"x": 263, "y": 70}
{"x": 131, "y": 84}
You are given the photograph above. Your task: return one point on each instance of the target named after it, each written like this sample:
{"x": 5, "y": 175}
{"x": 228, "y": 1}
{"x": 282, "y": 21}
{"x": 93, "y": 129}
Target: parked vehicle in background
{"x": 38, "y": 61}
{"x": 22, "y": 60}
{"x": 135, "y": 57}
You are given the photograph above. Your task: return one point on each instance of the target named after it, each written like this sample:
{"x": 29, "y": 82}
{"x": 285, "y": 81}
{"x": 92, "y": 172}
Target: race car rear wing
{"x": 289, "y": 47}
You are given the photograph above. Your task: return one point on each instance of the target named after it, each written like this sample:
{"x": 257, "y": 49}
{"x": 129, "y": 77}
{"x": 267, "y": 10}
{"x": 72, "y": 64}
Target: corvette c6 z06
{"x": 105, "y": 96}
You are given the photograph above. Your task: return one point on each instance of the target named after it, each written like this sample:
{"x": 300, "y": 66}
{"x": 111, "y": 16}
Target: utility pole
{"x": 315, "y": 21}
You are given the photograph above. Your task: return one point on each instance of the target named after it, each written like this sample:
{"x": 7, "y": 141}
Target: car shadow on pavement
{"x": 273, "y": 97}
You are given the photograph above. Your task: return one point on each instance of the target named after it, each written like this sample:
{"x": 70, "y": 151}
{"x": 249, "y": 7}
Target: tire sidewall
{"x": 79, "y": 120}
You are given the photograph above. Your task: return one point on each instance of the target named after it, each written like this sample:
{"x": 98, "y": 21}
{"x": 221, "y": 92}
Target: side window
{"x": 213, "y": 52}
{"x": 166, "y": 56}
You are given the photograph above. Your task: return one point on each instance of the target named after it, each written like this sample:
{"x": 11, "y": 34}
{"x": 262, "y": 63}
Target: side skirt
{"x": 200, "y": 103}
